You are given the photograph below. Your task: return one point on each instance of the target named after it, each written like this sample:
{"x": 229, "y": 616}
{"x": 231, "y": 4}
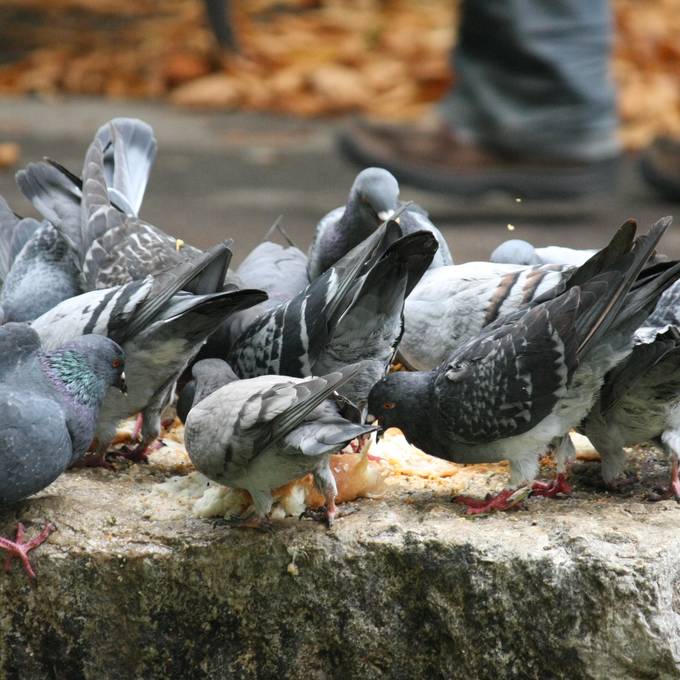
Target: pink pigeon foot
{"x": 551, "y": 489}
{"x": 507, "y": 499}
{"x": 20, "y": 547}
{"x": 140, "y": 453}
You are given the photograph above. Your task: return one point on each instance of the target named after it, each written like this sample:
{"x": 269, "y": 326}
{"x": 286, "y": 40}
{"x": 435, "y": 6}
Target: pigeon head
{"x": 401, "y": 400}
{"x": 515, "y": 251}
{"x": 86, "y": 367}
{"x": 377, "y": 194}
{"x": 209, "y": 376}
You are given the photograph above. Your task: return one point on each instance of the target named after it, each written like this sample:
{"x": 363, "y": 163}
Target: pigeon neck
{"x": 73, "y": 378}
{"x": 357, "y": 223}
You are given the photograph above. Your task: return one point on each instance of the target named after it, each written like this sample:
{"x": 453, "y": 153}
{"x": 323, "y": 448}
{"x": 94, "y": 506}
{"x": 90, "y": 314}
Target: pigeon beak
{"x": 385, "y": 215}
{"x": 122, "y": 384}
{"x": 370, "y": 419}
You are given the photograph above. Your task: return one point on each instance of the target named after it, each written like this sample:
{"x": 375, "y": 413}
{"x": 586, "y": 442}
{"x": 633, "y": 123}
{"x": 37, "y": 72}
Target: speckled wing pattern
{"x": 507, "y": 381}
{"x": 120, "y": 248}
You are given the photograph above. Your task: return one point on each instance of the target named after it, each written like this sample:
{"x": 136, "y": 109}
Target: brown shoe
{"x": 433, "y": 158}
{"x": 660, "y": 166}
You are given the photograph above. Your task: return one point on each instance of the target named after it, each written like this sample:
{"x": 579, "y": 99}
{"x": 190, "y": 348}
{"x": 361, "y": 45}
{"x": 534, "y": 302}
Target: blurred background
{"x": 247, "y": 98}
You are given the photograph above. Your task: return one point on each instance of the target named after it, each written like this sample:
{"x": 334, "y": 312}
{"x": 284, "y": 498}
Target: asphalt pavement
{"x": 229, "y": 175}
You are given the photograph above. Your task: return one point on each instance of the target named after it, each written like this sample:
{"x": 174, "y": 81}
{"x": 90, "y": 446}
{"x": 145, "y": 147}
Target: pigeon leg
{"x": 139, "y": 423}
{"x": 94, "y": 459}
{"x": 505, "y": 500}
{"x": 551, "y": 489}
{"x": 675, "y": 480}
{"x": 325, "y": 482}
{"x": 565, "y": 454}
{"x": 20, "y": 547}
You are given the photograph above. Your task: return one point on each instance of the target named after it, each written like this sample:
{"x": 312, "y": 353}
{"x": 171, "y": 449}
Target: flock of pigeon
{"x": 287, "y": 359}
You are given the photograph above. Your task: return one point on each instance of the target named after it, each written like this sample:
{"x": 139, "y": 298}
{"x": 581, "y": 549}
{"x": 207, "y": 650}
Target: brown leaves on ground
{"x": 386, "y": 58}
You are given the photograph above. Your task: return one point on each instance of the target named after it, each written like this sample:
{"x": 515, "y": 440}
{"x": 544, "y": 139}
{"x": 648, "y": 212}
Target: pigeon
{"x": 100, "y": 212}
{"x": 261, "y": 433}
{"x": 161, "y": 328}
{"x": 516, "y": 251}
{"x": 211, "y": 374}
{"x": 45, "y": 272}
{"x": 49, "y": 406}
{"x": 639, "y": 402}
{"x": 14, "y": 232}
{"x": 518, "y": 387}
{"x": 280, "y": 271}
{"x": 351, "y": 314}
{"x": 451, "y": 305}
{"x": 373, "y": 199}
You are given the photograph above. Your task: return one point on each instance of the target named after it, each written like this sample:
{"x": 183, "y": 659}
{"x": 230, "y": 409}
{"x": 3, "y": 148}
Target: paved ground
{"x": 221, "y": 175}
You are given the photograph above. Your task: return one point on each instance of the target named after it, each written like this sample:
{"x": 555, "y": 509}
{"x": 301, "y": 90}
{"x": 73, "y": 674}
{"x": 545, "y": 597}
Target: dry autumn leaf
{"x": 384, "y": 58}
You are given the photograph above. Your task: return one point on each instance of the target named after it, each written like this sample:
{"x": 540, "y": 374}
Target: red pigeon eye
{"x": 389, "y": 405}
{"x": 116, "y": 363}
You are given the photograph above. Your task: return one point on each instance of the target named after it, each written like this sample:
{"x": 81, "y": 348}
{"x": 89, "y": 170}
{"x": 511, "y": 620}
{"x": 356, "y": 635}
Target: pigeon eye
{"x": 116, "y": 363}
{"x": 389, "y": 405}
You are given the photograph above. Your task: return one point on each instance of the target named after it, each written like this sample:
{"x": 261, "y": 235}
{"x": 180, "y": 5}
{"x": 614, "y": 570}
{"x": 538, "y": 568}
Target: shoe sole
{"x": 546, "y": 183}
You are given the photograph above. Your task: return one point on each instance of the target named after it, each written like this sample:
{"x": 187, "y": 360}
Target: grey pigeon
{"x": 516, "y": 251}
{"x": 161, "y": 329}
{"x": 14, "y": 232}
{"x": 45, "y": 272}
{"x": 639, "y": 402}
{"x": 526, "y": 380}
{"x": 211, "y": 374}
{"x": 48, "y": 409}
{"x": 99, "y": 212}
{"x": 351, "y": 314}
{"x": 451, "y": 305}
{"x": 280, "y": 271}
{"x": 373, "y": 199}
{"x": 261, "y": 433}
{"x": 128, "y": 150}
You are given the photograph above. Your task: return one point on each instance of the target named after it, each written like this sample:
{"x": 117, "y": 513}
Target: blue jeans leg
{"x": 532, "y": 77}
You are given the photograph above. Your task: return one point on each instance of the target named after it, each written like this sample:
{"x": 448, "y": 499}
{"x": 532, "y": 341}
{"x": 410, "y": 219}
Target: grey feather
{"x": 160, "y": 328}
{"x": 260, "y": 433}
{"x": 351, "y": 314}
{"x": 516, "y": 251}
{"x": 373, "y": 199}
{"x": 531, "y": 376}
{"x": 45, "y": 272}
{"x": 49, "y": 405}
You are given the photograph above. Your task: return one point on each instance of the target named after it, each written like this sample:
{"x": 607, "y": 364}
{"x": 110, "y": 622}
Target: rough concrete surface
{"x": 133, "y": 586}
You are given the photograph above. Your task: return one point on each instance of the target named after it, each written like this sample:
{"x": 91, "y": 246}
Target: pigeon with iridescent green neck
{"x": 49, "y": 404}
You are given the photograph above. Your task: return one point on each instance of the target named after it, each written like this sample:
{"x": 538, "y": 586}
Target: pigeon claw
{"x": 673, "y": 490}
{"x": 559, "y": 485}
{"x": 20, "y": 547}
{"x": 508, "y": 499}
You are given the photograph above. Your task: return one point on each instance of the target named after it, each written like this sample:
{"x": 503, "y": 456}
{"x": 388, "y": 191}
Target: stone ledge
{"x": 406, "y": 587}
